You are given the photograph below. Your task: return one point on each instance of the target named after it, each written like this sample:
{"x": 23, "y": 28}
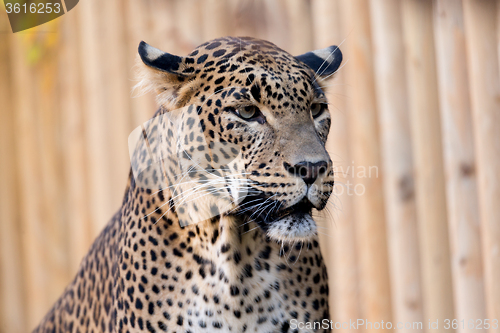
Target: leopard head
{"x": 250, "y": 125}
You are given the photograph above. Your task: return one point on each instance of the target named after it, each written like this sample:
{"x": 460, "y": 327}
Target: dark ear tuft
{"x": 323, "y": 62}
{"x": 158, "y": 59}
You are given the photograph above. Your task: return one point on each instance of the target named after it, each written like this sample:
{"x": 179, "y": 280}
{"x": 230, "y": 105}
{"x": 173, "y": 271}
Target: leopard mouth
{"x": 265, "y": 211}
{"x": 301, "y": 208}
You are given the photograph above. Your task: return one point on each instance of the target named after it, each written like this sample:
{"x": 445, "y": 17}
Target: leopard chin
{"x": 297, "y": 226}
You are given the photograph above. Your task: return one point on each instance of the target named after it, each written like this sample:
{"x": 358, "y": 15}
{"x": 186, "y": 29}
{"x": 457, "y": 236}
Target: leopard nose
{"x": 308, "y": 171}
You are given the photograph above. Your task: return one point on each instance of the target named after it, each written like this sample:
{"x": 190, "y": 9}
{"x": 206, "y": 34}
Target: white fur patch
{"x": 326, "y": 53}
{"x": 293, "y": 228}
{"x": 153, "y": 53}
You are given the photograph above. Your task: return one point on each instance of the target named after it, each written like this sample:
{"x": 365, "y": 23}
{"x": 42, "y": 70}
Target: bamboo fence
{"x": 412, "y": 232}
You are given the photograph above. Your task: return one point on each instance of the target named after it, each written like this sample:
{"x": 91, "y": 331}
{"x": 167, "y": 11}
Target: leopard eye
{"x": 317, "y": 109}
{"x": 248, "y": 112}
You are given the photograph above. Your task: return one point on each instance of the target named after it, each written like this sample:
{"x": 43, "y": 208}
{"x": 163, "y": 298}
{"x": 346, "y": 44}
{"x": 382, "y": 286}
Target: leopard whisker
{"x": 191, "y": 190}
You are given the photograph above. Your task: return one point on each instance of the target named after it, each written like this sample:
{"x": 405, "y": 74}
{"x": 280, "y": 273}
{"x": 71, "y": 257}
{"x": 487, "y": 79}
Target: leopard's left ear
{"x": 323, "y": 62}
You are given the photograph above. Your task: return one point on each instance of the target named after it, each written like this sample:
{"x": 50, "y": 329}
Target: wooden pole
{"x": 399, "y": 182}
{"x": 429, "y": 180}
{"x": 277, "y": 23}
{"x": 339, "y": 240}
{"x": 162, "y": 14}
{"x": 481, "y": 28}
{"x": 189, "y": 18}
{"x": 96, "y": 120}
{"x": 368, "y": 208}
{"x": 12, "y": 307}
{"x": 44, "y": 79}
{"x": 76, "y": 198}
{"x": 216, "y": 20}
{"x": 498, "y": 31}
{"x": 117, "y": 100}
{"x": 142, "y": 106}
{"x": 460, "y": 166}
{"x": 249, "y": 18}
{"x": 35, "y": 277}
{"x": 300, "y": 27}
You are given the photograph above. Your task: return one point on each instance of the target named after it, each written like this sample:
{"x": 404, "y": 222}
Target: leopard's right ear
{"x": 163, "y": 61}
{"x": 164, "y": 73}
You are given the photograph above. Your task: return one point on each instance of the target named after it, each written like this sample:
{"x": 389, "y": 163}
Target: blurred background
{"x": 413, "y": 229}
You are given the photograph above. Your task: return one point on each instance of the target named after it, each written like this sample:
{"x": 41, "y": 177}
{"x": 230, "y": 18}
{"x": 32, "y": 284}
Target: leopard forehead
{"x": 230, "y": 54}
{"x": 257, "y": 64}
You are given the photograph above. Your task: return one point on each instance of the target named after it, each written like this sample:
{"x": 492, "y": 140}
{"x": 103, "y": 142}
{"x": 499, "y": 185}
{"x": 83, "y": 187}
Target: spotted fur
{"x": 254, "y": 264}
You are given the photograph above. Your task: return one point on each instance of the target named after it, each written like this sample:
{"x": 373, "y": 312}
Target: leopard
{"x": 215, "y": 232}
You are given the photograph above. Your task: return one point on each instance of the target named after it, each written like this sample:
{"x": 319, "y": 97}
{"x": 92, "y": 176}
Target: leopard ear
{"x": 164, "y": 73}
{"x": 323, "y": 62}
{"x": 162, "y": 61}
